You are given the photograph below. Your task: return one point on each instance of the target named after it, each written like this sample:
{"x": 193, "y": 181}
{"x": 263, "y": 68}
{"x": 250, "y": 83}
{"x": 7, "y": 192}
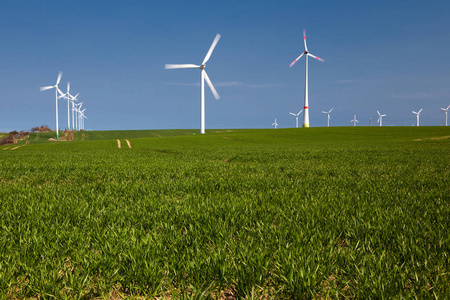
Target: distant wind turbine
{"x": 354, "y": 120}
{"x": 445, "y": 111}
{"x": 77, "y": 108}
{"x": 306, "y": 108}
{"x": 203, "y": 77}
{"x": 82, "y": 117}
{"x": 73, "y": 99}
{"x": 418, "y": 115}
{"x": 57, "y": 90}
{"x": 296, "y": 117}
{"x": 380, "y": 118}
{"x": 67, "y": 95}
{"x": 328, "y": 113}
{"x": 275, "y": 123}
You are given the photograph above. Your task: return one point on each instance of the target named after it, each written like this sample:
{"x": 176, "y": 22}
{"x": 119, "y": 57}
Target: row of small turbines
{"x": 354, "y": 120}
{"x": 77, "y": 113}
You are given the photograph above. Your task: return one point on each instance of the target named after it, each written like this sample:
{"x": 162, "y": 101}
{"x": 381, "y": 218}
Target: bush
{"x": 8, "y": 140}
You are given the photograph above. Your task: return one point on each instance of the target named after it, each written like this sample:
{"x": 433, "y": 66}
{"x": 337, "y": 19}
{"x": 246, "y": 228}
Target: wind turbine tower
{"x": 203, "y": 77}
{"x": 418, "y": 115}
{"x": 328, "y": 113}
{"x": 445, "y": 111}
{"x": 380, "y": 118}
{"x": 354, "y": 120}
{"x": 306, "y": 53}
{"x": 296, "y": 117}
{"x": 73, "y": 99}
{"x": 57, "y": 90}
{"x": 275, "y": 123}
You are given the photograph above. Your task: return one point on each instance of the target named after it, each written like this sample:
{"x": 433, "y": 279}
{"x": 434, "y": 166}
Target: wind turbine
{"x": 77, "y": 108}
{"x": 296, "y": 117}
{"x": 328, "y": 113}
{"x": 203, "y": 77}
{"x": 82, "y": 117}
{"x": 418, "y": 115}
{"x": 380, "y": 118}
{"x": 445, "y": 110}
{"x": 354, "y": 120}
{"x": 306, "y": 108}
{"x": 73, "y": 99}
{"x": 67, "y": 96}
{"x": 57, "y": 90}
{"x": 275, "y": 123}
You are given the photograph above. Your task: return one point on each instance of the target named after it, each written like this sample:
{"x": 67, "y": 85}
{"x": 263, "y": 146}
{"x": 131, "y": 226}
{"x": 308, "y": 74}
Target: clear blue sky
{"x": 391, "y": 56}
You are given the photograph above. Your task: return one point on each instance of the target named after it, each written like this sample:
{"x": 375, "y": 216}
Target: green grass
{"x": 283, "y": 214}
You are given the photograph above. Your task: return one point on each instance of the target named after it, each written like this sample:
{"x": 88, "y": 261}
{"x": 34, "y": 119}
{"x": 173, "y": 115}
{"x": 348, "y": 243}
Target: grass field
{"x": 355, "y": 212}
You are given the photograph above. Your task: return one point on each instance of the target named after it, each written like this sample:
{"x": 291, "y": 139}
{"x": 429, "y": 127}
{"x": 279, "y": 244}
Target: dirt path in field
{"x": 434, "y": 138}
{"x": 37, "y": 137}
{"x": 128, "y": 142}
{"x": 118, "y": 144}
{"x": 27, "y": 142}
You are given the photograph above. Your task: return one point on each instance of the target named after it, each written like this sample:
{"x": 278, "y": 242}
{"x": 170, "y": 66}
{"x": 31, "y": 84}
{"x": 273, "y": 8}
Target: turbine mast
{"x": 202, "y": 101}
{"x": 306, "y": 108}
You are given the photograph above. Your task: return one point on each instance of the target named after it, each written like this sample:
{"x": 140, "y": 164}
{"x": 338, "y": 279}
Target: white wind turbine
{"x": 306, "y": 108}
{"x": 57, "y": 90}
{"x": 296, "y": 117}
{"x": 67, "y": 96}
{"x": 82, "y": 117}
{"x": 354, "y": 120}
{"x": 77, "y": 108}
{"x": 418, "y": 115}
{"x": 73, "y": 99}
{"x": 203, "y": 77}
{"x": 380, "y": 118}
{"x": 328, "y": 113}
{"x": 275, "y": 123}
{"x": 445, "y": 111}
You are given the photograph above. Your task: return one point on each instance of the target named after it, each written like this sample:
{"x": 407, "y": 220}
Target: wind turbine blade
{"x": 378, "y": 113}
{"x": 68, "y": 87}
{"x": 296, "y": 60}
{"x": 420, "y": 110}
{"x": 330, "y": 110}
{"x": 293, "y": 114}
{"x": 62, "y": 96}
{"x": 46, "y": 88}
{"x": 184, "y": 66}
{"x": 213, "y": 90}
{"x": 414, "y": 112}
{"x": 59, "y": 78}
{"x": 304, "y": 39}
{"x": 318, "y": 58}
{"x": 325, "y": 112}
{"x": 211, "y": 49}
{"x": 300, "y": 112}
